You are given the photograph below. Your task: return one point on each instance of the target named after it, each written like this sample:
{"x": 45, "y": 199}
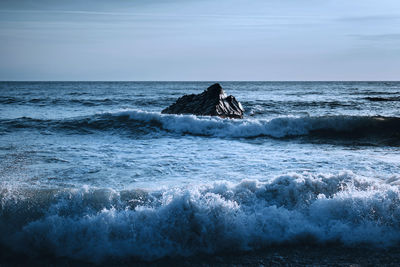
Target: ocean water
{"x": 93, "y": 170}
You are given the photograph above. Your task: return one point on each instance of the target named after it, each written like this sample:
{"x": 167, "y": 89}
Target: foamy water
{"x": 93, "y": 170}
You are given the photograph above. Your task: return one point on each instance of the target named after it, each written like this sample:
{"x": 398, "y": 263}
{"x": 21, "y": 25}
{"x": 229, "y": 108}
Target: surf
{"x": 96, "y": 224}
{"x": 138, "y": 121}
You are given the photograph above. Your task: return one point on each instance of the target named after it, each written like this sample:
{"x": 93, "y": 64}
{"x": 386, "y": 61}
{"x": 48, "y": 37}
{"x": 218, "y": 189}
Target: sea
{"x": 93, "y": 171}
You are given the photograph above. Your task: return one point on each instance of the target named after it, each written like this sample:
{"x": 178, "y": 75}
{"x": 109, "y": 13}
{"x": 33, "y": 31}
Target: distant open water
{"x": 92, "y": 170}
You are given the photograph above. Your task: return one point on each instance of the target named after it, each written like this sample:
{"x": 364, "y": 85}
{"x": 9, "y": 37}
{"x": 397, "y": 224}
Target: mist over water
{"x": 92, "y": 170}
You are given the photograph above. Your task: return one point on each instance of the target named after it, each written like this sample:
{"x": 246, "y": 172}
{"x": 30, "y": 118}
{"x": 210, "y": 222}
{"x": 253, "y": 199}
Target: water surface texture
{"x": 92, "y": 170}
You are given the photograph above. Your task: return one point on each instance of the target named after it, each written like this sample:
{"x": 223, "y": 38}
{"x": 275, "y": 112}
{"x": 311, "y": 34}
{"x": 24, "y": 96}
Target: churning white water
{"x": 93, "y": 170}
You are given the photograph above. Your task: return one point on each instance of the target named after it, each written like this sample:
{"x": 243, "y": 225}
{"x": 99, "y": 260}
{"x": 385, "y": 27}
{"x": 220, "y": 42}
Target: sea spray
{"x": 96, "y": 224}
{"x": 141, "y": 122}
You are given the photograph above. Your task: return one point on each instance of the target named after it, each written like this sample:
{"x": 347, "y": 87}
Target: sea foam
{"x": 96, "y": 224}
{"x": 143, "y": 122}
{"x": 277, "y": 127}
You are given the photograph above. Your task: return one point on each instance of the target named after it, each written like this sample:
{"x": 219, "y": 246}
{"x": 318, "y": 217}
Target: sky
{"x": 188, "y": 40}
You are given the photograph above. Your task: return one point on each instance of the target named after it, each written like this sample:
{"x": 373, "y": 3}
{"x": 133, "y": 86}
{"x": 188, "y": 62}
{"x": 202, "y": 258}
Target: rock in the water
{"x": 212, "y": 102}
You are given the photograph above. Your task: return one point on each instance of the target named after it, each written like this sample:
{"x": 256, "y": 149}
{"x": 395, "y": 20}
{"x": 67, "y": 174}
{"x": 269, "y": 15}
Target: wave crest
{"x": 333, "y": 127}
{"x": 97, "y": 224}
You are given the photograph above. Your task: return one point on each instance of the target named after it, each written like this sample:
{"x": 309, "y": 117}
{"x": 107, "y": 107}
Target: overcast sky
{"x": 200, "y": 40}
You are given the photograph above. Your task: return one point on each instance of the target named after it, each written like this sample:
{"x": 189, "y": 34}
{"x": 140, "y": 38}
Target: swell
{"x": 61, "y": 102}
{"x": 85, "y": 102}
{"x": 141, "y": 122}
{"x": 98, "y": 224}
{"x": 382, "y": 99}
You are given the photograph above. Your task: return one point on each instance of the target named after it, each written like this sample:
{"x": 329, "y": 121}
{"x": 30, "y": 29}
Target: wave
{"x": 98, "y": 224}
{"x": 87, "y": 101}
{"x": 323, "y": 127}
{"x": 379, "y": 98}
{"x": 60, "y": 101}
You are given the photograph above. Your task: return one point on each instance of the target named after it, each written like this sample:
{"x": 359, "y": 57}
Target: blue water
{"x": 92, "y": 170}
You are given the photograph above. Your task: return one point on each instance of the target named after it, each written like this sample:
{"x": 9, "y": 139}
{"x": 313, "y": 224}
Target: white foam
{"x": 96, "y": 224}
{"x": 277, "y": 127}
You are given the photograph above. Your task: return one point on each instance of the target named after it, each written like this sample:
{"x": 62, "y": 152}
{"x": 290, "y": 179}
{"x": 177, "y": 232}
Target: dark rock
{"x": 212, "y": 102}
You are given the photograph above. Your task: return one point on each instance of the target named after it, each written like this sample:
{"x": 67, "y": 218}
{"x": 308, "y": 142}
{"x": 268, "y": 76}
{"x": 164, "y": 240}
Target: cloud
{"x": 370, "y": 18}
{"x": 377, "y": 37}
{"x": 215, "y": 15}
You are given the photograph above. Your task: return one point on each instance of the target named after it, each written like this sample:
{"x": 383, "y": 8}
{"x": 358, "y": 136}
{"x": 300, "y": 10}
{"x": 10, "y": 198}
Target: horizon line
{"x": 216, "y": 81}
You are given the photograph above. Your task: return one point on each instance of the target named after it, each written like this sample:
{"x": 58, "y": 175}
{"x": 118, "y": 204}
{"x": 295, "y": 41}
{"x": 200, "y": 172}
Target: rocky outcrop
{"x": 212, "y": 102}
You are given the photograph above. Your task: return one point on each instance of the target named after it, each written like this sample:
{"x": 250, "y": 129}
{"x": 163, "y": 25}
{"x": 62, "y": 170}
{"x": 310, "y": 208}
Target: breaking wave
{"x": 96, "y": 224}
{"x": 280, "y": 127}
